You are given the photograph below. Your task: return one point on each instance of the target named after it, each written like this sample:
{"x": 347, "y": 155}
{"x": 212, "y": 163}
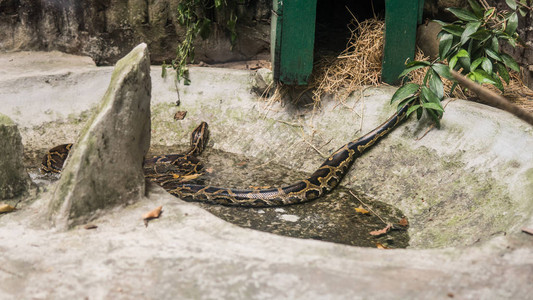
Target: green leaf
{"x": 445, "y": 44}
{"x": 412, "y": 108}
{"x": 488, "y": 12}
{"x": 453, "y": 62}
{"x": 502, "y": 71}
{"x": 465, "y": 63}
{"x": 417, "y": 63}
{"x": 493, "y": 54}
{"x": 469, "y": 29}
{"x": 419, "y": 112}
{"x": 462, "y": 14}
{"x": 523, "y": 11}
{"x": 404, "y": 92}
{"x": 405, "y": 102}
{"x": 494, "y": 44}
{"x": 435, "y": 117}
{"x": 429, "y": 96}
{"x": 462, "y": 53}
{"x": 435, "y": 84}
{"x": 498, "y": 83}
{"x": 408, "y": 70}
{"x": 481, "y": 77}
{"x": 510, "y": 62}
{"x": 511, "y": 4}
{"x": 462, "y": 57}
{"x": 454, "y": 29}
{"x": 512, "y": 42}
{"x": 487, "y": 65}
{"x": 441, "y": 23}
{"x": 480, "y": 35}
{"x": 476, "y": 63}
{"x": 454, "y": 85}
{"x": 476, "y": 8}
{"x": 433, "y": 106}
{"x": 442, "y": 70}
{"x": 512, "y": 23}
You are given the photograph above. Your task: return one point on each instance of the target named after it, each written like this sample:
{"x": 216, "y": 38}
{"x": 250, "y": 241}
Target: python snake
{"x": 169, "y": 171}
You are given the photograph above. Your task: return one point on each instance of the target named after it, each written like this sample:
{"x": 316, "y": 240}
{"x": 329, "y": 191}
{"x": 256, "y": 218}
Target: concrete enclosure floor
{"x": 466, "y": 190}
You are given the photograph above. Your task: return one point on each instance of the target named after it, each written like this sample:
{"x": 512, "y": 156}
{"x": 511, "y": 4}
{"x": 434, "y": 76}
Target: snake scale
{"x": 169, "y": 171}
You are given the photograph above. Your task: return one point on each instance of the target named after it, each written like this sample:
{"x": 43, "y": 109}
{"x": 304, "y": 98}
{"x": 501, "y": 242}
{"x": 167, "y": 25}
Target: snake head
{"x": 199, "y": 138}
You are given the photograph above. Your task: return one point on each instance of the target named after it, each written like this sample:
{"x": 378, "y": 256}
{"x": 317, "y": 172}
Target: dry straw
{"x": 357, "y": 66}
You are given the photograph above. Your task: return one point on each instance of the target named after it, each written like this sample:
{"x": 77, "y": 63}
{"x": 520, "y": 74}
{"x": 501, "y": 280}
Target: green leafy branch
{"x": 470, "y": 45}
{"x": 190, "y": 16}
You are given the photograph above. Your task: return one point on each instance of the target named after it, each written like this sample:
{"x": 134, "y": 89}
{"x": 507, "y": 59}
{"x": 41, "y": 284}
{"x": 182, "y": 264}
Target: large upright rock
{"x": 105, "y": 166}
{"x": 14, "y": 179}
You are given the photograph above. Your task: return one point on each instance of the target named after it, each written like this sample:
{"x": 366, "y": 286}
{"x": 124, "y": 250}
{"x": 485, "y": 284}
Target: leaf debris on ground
{"x": 528, "y": 230}
{"x": 381, "y": 231}
{"x": 381, "y": 246}
{"x": 5, "y": 208}
{"x": 180, "y": 115}
{"x": 90, "y": 226}
{"x": 154, "y": 214}
{"x": 361, "y": 210}
{"x": 403, "y": 222}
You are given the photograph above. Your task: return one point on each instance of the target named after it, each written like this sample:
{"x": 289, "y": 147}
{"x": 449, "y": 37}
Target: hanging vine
{"x": 198, "y": 17}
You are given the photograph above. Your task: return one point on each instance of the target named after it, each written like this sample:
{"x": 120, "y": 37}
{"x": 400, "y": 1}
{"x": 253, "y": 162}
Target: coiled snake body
{"x": 168, "y": 171}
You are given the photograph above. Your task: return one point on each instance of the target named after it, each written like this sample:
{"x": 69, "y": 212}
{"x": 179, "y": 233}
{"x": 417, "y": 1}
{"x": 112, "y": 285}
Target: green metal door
{"x": 292, "y": 40}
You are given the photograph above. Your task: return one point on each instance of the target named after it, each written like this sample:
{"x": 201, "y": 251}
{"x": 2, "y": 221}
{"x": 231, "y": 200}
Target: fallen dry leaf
{"x": 90, "y": 226}
{"x": 180, "y": 115}
{"x": 361, "y": 210}
{"x": 152, "y": 215}
{"x": 209, "y": 170}
{"x": 528, "y": 230}
{"x": 403, "y": 222}
{"x": 5, "y": 208}
{"x": 381, "y": 231}
{"x": 381, "y": 246}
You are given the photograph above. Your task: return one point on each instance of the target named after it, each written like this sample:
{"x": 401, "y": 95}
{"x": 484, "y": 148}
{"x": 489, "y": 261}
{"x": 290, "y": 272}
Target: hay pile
{"x": 357, "y": 66}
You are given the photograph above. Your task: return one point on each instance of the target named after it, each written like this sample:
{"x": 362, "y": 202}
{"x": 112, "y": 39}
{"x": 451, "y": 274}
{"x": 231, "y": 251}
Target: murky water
{"x": 331, "y": 218}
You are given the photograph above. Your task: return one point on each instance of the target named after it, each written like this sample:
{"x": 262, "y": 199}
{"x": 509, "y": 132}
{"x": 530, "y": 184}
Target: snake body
{"x": 322, "y": 181}
{"x": 169, "y": 170}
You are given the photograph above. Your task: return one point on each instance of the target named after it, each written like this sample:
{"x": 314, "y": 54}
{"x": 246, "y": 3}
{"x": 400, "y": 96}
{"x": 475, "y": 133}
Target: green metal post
{"x": 401, "y": 19}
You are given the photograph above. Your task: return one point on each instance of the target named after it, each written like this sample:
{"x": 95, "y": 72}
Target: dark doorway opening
{"x": 333, "y": 17}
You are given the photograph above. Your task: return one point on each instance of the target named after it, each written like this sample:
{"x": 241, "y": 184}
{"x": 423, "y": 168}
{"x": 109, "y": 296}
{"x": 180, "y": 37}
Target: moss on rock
{"x": 14, "y": 179}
